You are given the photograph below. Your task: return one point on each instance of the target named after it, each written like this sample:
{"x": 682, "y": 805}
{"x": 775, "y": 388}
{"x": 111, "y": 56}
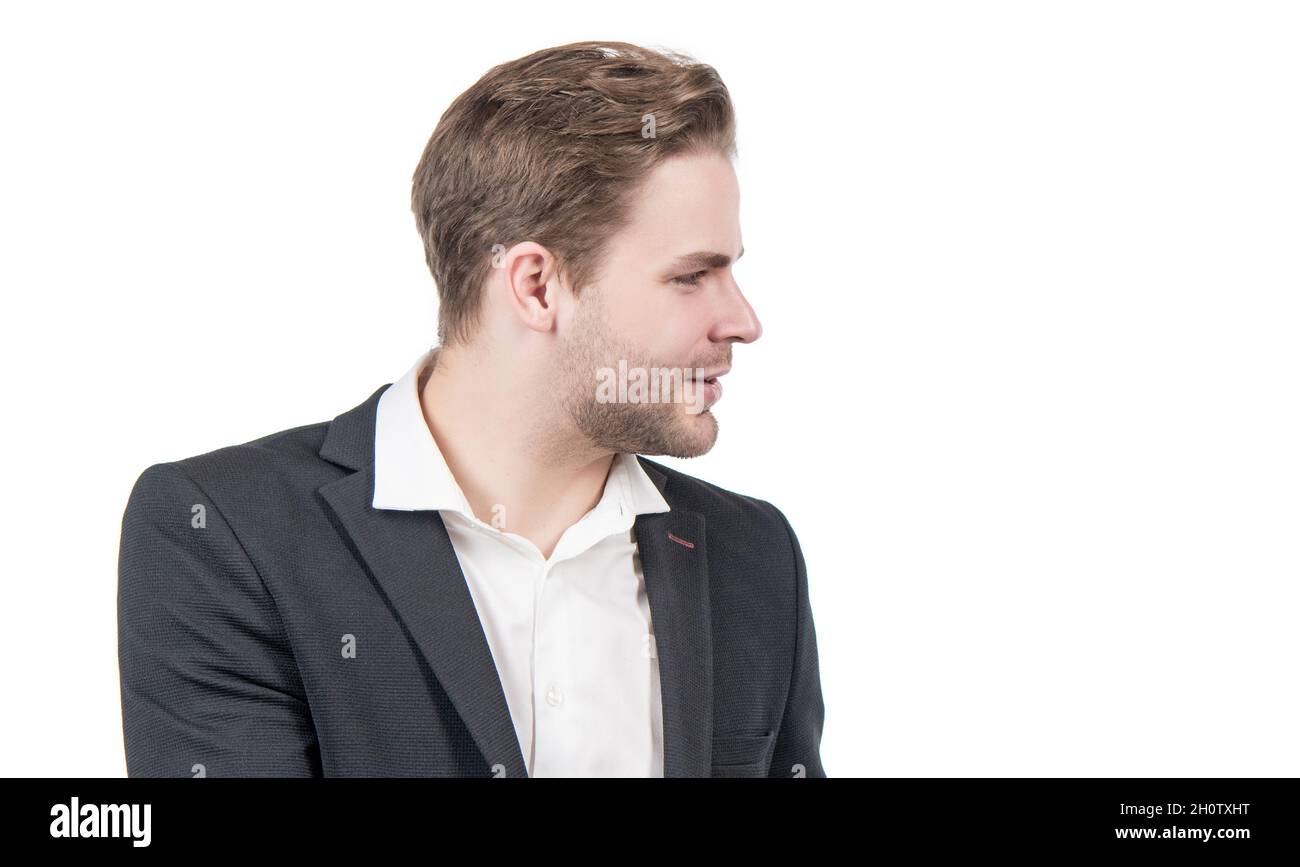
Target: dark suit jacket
{"x": 242, "y": 570}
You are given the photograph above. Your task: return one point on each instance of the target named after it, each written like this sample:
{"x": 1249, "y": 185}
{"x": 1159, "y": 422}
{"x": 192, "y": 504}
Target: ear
{"x": 532, "y": 285}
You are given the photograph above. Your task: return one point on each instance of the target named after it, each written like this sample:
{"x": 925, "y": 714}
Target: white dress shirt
{"x": 570, "y": 634}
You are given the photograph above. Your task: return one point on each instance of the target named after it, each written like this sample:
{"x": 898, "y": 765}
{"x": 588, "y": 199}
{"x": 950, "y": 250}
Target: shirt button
{"x": 554, "y": 697}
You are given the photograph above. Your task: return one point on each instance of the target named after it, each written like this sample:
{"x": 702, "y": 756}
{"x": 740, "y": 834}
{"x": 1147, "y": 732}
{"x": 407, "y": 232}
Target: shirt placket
{"x": 552, "y": 722}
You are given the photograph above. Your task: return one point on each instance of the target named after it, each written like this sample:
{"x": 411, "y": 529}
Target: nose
{"x": 736, "y": 320}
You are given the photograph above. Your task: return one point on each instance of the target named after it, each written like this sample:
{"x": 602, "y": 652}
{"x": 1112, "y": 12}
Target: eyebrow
{"x": 703, "y": 260}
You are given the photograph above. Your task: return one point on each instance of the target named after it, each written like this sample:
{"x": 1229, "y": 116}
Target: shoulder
{"x": 273, "y": 469}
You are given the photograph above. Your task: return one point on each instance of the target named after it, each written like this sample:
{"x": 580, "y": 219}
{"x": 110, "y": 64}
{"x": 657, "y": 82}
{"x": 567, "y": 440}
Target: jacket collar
{"x": 410, "y": 557}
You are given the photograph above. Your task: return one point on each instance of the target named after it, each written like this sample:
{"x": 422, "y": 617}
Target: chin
{"x": 699, "y": 435}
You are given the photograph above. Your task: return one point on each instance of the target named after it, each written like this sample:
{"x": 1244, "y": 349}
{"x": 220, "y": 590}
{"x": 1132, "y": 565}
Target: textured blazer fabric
{"x": 246, "y": 573}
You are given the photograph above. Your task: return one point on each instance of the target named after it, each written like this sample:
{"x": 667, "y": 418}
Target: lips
{"x": 709, "y": 384}
{"x": 714, "y": 389}
{"x": 710, "y": 388}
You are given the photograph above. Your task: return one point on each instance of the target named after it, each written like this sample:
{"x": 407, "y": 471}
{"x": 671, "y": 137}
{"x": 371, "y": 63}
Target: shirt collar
{"x": 411, "y": 474}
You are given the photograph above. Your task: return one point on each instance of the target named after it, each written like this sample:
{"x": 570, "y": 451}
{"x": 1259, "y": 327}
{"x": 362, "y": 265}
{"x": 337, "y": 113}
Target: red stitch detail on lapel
{"x": 681, "y": 541}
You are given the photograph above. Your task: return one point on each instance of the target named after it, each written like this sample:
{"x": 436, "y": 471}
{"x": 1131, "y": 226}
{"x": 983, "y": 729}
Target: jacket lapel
{"x": 411, "y": 558}
{"x": 677, "y": 584}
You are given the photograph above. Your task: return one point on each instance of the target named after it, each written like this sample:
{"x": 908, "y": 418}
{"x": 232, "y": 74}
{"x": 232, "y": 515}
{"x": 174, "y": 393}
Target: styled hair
{"x": 549, "y": 148}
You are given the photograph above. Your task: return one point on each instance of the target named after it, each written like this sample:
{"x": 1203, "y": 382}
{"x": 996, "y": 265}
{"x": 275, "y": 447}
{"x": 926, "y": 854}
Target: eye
{"x": 690, "y": 279}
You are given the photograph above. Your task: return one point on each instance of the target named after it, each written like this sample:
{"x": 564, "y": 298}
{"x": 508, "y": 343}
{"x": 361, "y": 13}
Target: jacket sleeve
{"x": 208, "y": 680}
{"x": 797, "y": 752}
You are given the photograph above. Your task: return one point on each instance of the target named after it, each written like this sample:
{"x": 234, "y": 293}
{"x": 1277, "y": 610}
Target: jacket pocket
{"x": 742, "y": 755}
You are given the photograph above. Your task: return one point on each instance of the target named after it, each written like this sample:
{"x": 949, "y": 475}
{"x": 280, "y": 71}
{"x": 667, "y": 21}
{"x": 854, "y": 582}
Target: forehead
{"x": 687, "y": 203}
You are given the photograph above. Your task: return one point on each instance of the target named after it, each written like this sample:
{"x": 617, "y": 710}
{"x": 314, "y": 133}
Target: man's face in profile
{"x": 652, "y": 308}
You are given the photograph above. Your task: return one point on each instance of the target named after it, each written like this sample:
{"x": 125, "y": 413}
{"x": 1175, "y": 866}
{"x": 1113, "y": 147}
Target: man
{"x": 472, "y": 573}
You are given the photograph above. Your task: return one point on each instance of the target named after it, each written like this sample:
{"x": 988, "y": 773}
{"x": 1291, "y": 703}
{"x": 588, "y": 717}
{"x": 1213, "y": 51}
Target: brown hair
{"x": 548, "y": 148}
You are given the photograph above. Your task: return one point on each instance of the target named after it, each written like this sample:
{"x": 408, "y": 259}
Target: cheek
{"x": 661, "y": 327}
{"x": 669, "y": 346}
{"x": 678, "y": 327}
{"x": 634, "y": 323}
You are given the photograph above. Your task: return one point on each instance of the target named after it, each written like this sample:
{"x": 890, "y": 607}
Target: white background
{"x": 1027, "y": 389}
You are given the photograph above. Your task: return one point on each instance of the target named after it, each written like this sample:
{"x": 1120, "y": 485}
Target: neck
{"x": 510, "y": 452}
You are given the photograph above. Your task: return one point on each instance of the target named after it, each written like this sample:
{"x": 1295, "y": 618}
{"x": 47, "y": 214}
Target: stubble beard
{"x": 638, "y": 428}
